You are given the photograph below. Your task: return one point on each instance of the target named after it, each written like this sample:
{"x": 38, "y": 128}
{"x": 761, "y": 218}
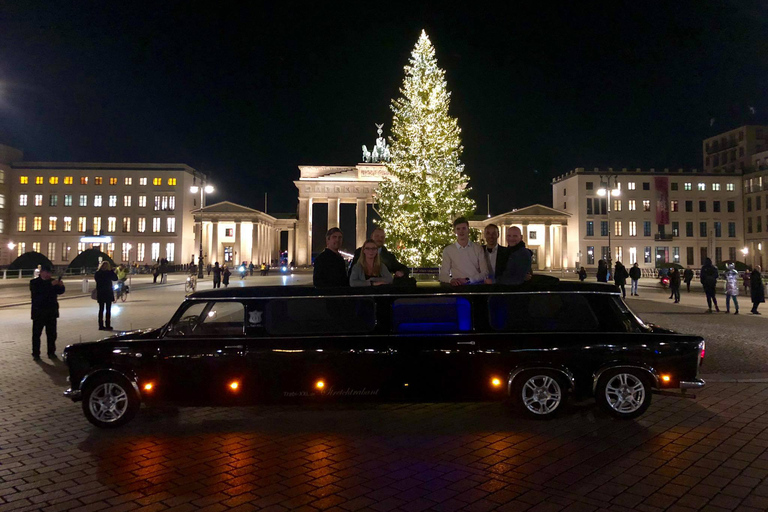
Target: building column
{"x": 361, "y": 222}
{"x": 260, "y": 252}
{"x": 564, "y": 246}
{"x": 291, "y": 235}
{"x": 236, "y": 258}
{"x": 215, "y": 241}
{"x": 254, "y": 241}
{"x": 503, "y": 234}
{"x": 547, "y": 246}
{"x": 304, "y": 232}
{"x": 275, "y": 245}
{"x": 333, "y": 212}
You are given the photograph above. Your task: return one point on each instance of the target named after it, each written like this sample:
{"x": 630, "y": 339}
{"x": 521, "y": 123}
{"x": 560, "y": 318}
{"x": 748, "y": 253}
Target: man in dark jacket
{"x": 496, "y": 255}
{"x": 620, "y": 276}
{"x": 756, "y": 288}
{"x": 688, "y": 277}
{"x": 518, "y": 266}
{"x": 709, "y": 275}
{"x": 398, "y": 270}
{"x": 330, "y": 269}
{"x": 634, "y": 275}
{"x": 45, "y": 310}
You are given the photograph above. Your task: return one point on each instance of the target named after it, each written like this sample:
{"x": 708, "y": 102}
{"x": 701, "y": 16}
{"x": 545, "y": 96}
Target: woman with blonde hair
{"x": 105, "y": 296}
{"x": 369, "y": 270}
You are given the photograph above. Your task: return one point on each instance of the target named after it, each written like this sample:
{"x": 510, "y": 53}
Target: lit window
{"x": 83, "y": 180}
{"x": 112, "y": 201}
{"x": 631, "y": 185}
{"x": 674, "y": 206}
{"x": 617, "y": 205}
{"x": 716, "y": 187}
{"x": 155, "y": 251}
{"x": 37, "y": 223}
{"x": 2, "y": 201}
{"x": 127, "y": 201}
{"x": 97, "y": 180}
{"x": 140, "y": 252}
{"x": 687, "y": 186}
{"x": 22, "y": 199}
{"x": 82, "y": 225}
{"x": 111, "y": 224}
{"x": 24, "y": 180}
{"x": 632, "y": 228}
{"x": 129, "y": 181}
{"x": 646, "y": 205}
{"x": 22, "y": 225}
{"x": 67, "y": 199}
{"x": 142, "y": 181}
{"x": 51, "y": 251}
{"x": 36, "y": 246}
{"x": 171, "y": 224}
{"x": 65, "y": 251}
{"x": 142, "y": 224}
{"x": 2, "y": 225}
{"x": 172, "y": 203}
{"x": 172, "y": 181}
{"x": 39, "y": 180}
{"x": 617, "y": 228}
{"x": 68, "y": 180}
{"x": 96, "y": 200}
{"x": 52, "y": 223}
{"x": 22, "y": 248}
{"x": 126, "y": 224}
{"x": 67, "y": 223}
{"x": 53, "y": 200}
{"x": 97, "y": 225}
{"x": 83, "y": 200}
{"x": 157, "y": 181}
{"x": 113, "y": 181}
{"x": 729, "y": 187}
{"x": 165, "y": 203}
{"x": 170, "y": 249}
{"x": 126, "y": 251}
{"x": 80, "y": 247}
{"x": 702, "y": 187}
{"x": 157, "y": 203}
{"x": 142, "y": 201}
{"x": 53, "y": 180}
{"x": 38, "y": 199}
{"x": 156, "y": 224}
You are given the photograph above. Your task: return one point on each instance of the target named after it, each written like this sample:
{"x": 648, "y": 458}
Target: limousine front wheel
{"x": 625, "y": 393}
{"x": 540, "y": 394}
{"x": 110, "y": 401}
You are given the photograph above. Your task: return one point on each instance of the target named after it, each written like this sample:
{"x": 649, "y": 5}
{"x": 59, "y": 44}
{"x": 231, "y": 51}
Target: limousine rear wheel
{"x": 539, "y": 393}
{"x": 110, "y": 401}
{"x": 623, "y": 392}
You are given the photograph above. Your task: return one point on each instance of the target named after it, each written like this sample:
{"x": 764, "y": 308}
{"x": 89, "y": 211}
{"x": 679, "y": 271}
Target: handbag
{"x": 94, "y": 294}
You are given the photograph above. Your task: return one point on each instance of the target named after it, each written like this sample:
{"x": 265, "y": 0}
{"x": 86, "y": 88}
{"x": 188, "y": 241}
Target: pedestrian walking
{"x": 757, "y": 289}
{"x": 731, "y": 288}
{"x": 747, "y": 286}
{"x": 209, "y": 269}
{"x": 674, "y": 284}
{"x": 216, "y": 275}
{"x": 105, "y": 295}
{"x": 602, "y": 272}
{"x": 45, "y": 310}
{"x": 251, "y": 267}
{"x": 688, "y": 277}
{"x": 634, "y": 275}
{"x": 708, "y": 276}
{"x": 225, "y": 273}
{"x": 620, "y": 276}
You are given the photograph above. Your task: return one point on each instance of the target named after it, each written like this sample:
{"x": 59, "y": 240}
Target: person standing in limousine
{"x": 369, "y": 270}
{"x": 496, "y": 255}
{"x": 463, "y": 262}
{"x": 518, "y": 268}
{"x": 330, "y": 269}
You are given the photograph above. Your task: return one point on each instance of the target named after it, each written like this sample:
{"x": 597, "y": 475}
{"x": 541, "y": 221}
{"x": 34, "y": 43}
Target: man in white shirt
{"x": 463, "y": 262}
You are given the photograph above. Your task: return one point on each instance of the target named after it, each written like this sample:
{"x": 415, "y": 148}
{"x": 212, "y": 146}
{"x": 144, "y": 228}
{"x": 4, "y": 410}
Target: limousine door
{"x": 202, "y": 355}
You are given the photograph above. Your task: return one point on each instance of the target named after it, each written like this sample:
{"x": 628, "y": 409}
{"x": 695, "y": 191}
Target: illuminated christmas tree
{"x": 429, "y": 188}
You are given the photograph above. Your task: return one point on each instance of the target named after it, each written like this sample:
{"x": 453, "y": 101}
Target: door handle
{"x": 465, "y": 342}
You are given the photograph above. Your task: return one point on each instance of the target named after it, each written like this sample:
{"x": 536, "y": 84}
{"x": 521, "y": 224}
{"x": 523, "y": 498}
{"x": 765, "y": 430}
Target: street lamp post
{"x": 606, "y": 190}
{"x": 204, "y": 189}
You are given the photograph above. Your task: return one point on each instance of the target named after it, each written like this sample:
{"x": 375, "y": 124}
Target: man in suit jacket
{"x": 45, "y": 310}
{"x": 495, "y": 255}
{"x": 397, "y": 269}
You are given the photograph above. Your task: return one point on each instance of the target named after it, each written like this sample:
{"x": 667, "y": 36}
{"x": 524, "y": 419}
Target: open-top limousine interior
{"x": 535, "y": 345}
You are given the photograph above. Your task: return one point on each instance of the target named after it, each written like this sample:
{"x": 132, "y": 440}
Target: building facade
{"x": 756, "y": 210}
{"x": 732, "y": 151}
{"x": 659, "y": 216}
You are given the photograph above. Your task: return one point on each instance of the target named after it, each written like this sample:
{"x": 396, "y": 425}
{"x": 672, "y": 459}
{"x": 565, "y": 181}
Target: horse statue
{"x": 366, "y": 154}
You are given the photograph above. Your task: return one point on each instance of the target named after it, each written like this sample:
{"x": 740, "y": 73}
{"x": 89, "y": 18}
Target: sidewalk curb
{"x": 79, "y": 296}
{"x": 743, "y": 378}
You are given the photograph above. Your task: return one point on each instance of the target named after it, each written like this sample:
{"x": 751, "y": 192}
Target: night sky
{"x": 249, "y": 91}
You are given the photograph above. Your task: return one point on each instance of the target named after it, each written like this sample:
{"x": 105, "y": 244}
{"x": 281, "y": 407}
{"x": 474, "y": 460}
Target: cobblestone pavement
{"x": 683, "y": 454}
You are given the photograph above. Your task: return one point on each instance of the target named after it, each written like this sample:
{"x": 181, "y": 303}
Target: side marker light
{"x": 148, "y": 386}
{"x": 496, "y": 382}
{"x": 234, "y": 385}
{"x": 320, "y": 384}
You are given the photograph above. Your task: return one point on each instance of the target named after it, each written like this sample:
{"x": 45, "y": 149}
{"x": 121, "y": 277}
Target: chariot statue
{"x": 380, "y": 151}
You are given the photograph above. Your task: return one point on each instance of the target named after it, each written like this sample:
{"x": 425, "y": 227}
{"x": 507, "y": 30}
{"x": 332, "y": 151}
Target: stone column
{"x": 333, "y": 212}
{"x": 547, "y": 246}
{"x": 276, "y": 245}
{"x": 291, "y": 255}
{"x": 503, "y": 235}
{"x": 564, "y": 246}
{"x": 254, "y": 241}
{"x": 214, "y": 241}
{"x": 237, "y": 258}
{"x": 304, "y": 232}
{"x": 361, "y": 222}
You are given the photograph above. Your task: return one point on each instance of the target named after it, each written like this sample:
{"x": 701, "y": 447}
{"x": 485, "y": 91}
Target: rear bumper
{"x": 694, "y": 384}
{"x": 74, "y": 395}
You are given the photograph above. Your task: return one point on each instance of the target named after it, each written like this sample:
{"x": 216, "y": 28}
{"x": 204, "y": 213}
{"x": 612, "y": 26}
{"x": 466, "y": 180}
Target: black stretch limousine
{"x": 536, "y": 344}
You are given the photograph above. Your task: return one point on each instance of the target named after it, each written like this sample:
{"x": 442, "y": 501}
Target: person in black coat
{"x": 45, "y": 310}
{"x": 582, "y": 274}
{"x": 756, "y": 289}
{"x": 620, "y": 276}
{"x": 105, "y": 295}
{"x": 518, "y": 267}
{"x": 602, "y": 271}
{"x": 709, "y": 275}
{"x": 687, "y": 278}
{"x": 330, "y": 268}
{"x": 216, "y": 275}
{"x": 634, "y": 274}
{"x": 674, "y": 284}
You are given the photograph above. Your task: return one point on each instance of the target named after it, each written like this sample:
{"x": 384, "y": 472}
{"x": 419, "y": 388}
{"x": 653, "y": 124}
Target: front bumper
{"x": 694, "y": 384}
{"x": 73, "y": 394}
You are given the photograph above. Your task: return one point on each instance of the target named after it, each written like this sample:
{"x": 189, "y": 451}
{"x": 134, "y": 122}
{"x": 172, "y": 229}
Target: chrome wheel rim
{"x": 625, "y": 393}
{"x": 541, "y": 394}
{"x": 108, "y": 402}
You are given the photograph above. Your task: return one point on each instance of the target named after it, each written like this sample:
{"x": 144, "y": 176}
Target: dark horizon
{"x": 249, "y": 93}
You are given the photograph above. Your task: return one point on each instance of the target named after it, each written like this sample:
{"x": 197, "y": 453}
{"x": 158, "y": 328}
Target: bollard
{"x": 85, "y": 285}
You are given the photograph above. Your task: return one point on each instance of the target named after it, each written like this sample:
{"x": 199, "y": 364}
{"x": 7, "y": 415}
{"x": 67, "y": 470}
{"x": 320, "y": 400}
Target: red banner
{"x": 662, "y": 200}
